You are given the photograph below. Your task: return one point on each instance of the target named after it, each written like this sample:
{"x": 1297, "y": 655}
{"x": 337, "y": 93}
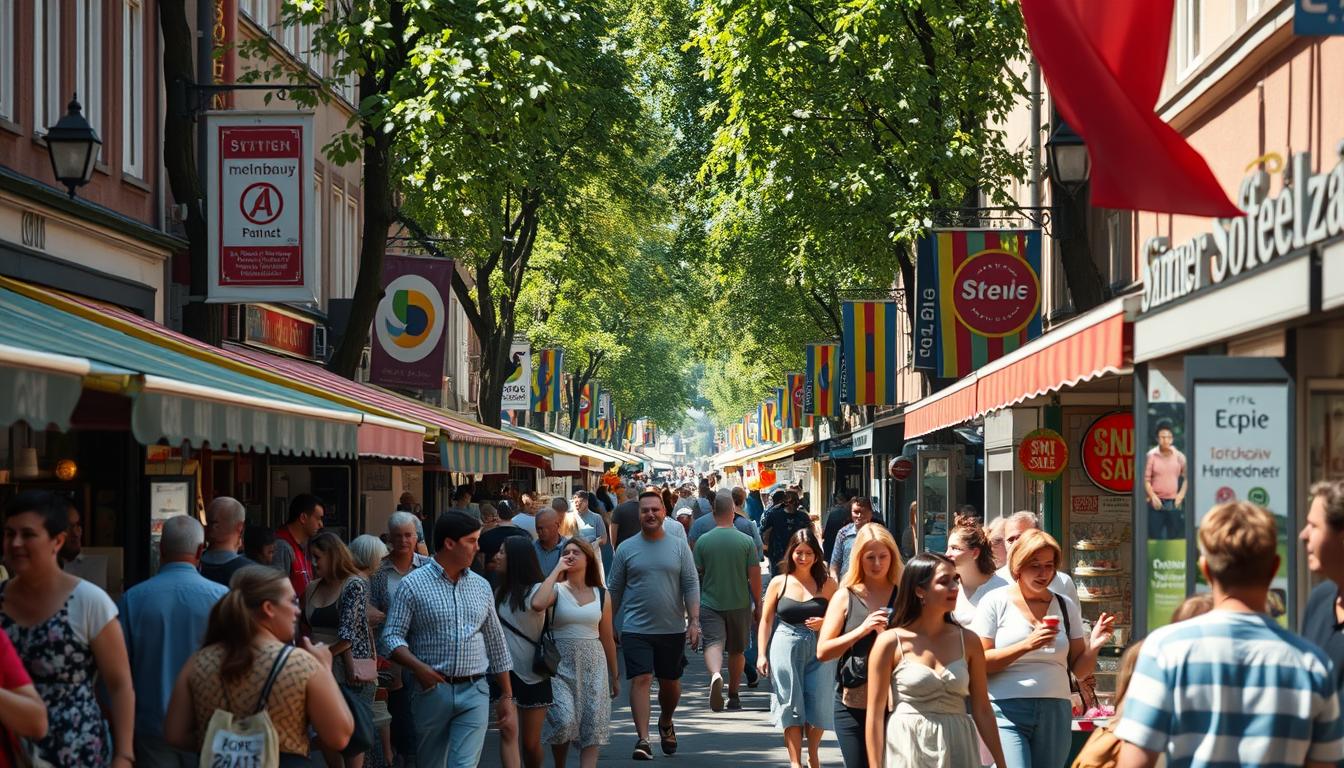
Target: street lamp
{"x": 1070, "y": 164}
{"x": 73, "y": 146}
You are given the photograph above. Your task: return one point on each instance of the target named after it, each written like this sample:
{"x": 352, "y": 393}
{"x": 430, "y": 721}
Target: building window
{"x": 337, "y": 250}
{"x": 133, "y": 89}
{"x": 1187, "y": 35}
{"x": 47, "y": 106}
{"x": 89, "y": 62}
{"x": 7, "y": 60}
{"x": 258, "y": 10}
{"x": 351, "y": 264}
{"x": 318, "y": 197}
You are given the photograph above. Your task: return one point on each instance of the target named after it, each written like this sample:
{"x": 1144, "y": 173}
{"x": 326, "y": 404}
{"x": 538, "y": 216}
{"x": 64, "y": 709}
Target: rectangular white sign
{"x": 259, "y": 207}
{"x": 518, "y": 387}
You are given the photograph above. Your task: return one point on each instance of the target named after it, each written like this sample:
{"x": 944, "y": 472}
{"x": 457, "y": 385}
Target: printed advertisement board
{"x": 518, "y": 386}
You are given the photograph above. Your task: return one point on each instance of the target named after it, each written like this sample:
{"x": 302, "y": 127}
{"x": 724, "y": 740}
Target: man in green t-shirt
{"x": 730, "y": 589}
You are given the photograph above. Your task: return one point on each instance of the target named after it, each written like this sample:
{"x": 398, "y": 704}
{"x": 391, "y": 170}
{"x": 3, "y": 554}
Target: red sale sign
{"x": 1108, "y": 452}
{"x": 1043, "y": 454}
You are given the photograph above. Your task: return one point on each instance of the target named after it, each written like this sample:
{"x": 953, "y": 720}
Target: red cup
{"x": 1051, "y": 622}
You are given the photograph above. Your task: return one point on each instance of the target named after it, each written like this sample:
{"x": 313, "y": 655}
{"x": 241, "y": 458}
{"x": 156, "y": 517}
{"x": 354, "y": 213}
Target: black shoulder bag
{"x": 853, "y": 671}
{"x": 546, "y": 662}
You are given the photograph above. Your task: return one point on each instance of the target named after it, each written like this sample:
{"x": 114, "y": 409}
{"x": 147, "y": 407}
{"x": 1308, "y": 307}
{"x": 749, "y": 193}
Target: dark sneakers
{"x": 642, "y": 750}
{"x": 734, "y": 703}
{"x": 667, "y": 734}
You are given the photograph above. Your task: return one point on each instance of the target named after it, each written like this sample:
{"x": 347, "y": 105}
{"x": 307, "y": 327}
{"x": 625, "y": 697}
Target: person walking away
{"x": 801, "y": 683}
{"x": 402, "y": 559}
{"x": 369, "y": 551}
{"x": 860, "y": 515}
{"x": 65, "y": 630}
{"x": 744, "y": 524}
{"x": 1014, "y": 527}
{"x": 653, "y": 579}
{"x": 1323, "y": 540}
{"x": 336, "y": 609}
{"x": 854, "y": 617}
{"x": 225, "y": 519}
{"x": 754, "y": 506}
{"x": 1033, "y": 638}
{"x": 836, "y": 518}
{"x": 701, "y": 526}
{"x": 932, "y": 671}
{"x": 442, "y": 626}
{"x": 249, "y": 631}
{"x": 1164, "y": 486}
{"x": 259, "y": 544}
{"x": 730, "y": 590}
{"x": 526, "y": 517}
{"x": 625, "y": 518}
{"x": 519, "y": 578}
{"x": 550, "y": 542}
{"x": 461, "y": 502}
{"x": 291, "y": 540}
{"x": 587, "y": 680}
{"x": 163, "y": 620}
{"x": 969, "y": 550}
{"x": 780, "y": 523}
{"x": 1232, "y": 686}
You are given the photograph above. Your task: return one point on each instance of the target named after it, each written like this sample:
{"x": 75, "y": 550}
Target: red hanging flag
{"x": 1104, "y": 63}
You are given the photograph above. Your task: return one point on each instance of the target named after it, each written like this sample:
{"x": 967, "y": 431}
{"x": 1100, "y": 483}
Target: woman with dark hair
{"x": 969, "y": 550}
{"x": 926, "y": 668}
{"x": 248, "y": 636}
{"x": 669, "y": 500}
{"x": 801, "y": 682}
{"x": 518, "y": 577}
{"x": 336, "y": 607}
{"x": 66, "y": 632}
{"x": 587, "y": 680}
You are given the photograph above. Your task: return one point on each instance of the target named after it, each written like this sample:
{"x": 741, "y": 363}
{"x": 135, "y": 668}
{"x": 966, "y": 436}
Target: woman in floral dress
{"x": 66, "y": 632}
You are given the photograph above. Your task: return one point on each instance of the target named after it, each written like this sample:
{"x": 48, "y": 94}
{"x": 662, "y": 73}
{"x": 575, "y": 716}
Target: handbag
{"x": 853, "y": 672}
{"x": 23, "y": 753}
{"x": 250, "y": 740}
{"x": 1082, "y": 696}
{"x": 362, "y": 737}
{"x": 546, "y": 662}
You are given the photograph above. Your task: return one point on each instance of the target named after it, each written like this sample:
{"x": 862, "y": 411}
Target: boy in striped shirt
{"x": 1232, "y": 687}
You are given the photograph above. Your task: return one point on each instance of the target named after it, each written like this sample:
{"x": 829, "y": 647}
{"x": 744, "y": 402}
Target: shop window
{"x": 8, "y": 78}
{"x": 1326, "y": 422}
{"x": 133, "y": 89}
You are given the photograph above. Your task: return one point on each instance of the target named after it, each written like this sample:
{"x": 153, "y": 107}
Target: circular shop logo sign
{"x": 1108, "y": 452}
{"x": 409, "y": 321}
{"x": 1043, "y": 454}
{"x": 995, "y": 293}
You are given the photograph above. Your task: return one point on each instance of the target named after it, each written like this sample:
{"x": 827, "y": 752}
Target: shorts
{"x": 525, "y": 695}
{"x": 663, "y": 655}
{"x": 726, "y": 628}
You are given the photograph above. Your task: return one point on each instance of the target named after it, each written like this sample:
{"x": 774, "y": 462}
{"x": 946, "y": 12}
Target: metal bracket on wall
{"x": 1003, "y": 216}
{"x": 202, "y": 93}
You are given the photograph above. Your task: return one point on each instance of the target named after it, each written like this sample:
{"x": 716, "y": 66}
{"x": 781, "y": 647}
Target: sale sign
{"x": 1043, "y": 454}
{"x": 260, "y": 211}
{"x": 1108, "y": 452}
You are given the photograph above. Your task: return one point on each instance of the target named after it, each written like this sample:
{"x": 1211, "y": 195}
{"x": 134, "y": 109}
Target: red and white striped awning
{"x": 1094, "y": 344}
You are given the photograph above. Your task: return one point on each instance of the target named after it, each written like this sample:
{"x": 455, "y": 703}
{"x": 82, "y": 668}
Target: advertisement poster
{"x": 408, "y": 326}
{"x": 518, "y": 386}
{"x": 1166, "y": 580}
{"x": 1163, "y": 456}
{"x": 260, "y": 228}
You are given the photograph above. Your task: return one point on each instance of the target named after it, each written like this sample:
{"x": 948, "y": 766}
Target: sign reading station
{"x": 260, "y": 216}
{"x": 1108, "y": 452}
{"x": 1043, "y": 454}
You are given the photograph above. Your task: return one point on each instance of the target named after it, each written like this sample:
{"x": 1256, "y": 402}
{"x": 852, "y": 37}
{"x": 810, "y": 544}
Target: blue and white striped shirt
{"x": 451, "y": 626}
{"x": 1232, "y": 689}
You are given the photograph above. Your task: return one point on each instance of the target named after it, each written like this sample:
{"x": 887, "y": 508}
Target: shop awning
{"x": 1096, "y": 343}
{"x": 39, "y": 389}
{"x": 561, "y": 460}
{"x": 175, "y": 397}
{"x": 473, "y": 458}
{"x": 784, "y": 451}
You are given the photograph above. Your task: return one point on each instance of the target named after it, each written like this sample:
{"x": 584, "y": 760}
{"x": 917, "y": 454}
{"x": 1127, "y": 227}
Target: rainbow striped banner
{"x": 822, "y": 396}
{"x": 870, "y": 351}
{"x": 587, "y": 412}
{"x": 794, "y": 400}
{"x": 546, "y": 380}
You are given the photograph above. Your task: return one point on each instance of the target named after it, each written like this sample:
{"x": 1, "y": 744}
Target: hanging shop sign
{"x": 1107, "y": 452}
{"x": 278, "y": 331}
{"x": 408, "y": 338}
{"x": 518, "y": 386}
{"x": 1043, "y": 454}
{"x": 978, "y": 297}
{"x": 1317, "y": 17}
{"x": 900, "y": 468}
{"x": 260, "y": 222}
{"x": 1301, "y": 215}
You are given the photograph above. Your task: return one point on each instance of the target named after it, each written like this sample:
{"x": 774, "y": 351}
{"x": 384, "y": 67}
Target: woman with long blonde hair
{"x": 854, "y": 618}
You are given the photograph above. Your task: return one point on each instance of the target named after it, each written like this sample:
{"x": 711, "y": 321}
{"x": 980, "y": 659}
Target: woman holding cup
{"x": 1033, "y": 638}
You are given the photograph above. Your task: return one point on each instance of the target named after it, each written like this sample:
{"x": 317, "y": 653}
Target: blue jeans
{"x": 1036, "y": 733}
{"x": 1166, "y": 523}
{"x": 451, "y": 721}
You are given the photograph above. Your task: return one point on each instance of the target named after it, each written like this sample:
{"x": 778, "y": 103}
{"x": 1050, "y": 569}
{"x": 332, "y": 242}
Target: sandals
{"x": 642, "y": 750}
{"x": 668, "y": 737}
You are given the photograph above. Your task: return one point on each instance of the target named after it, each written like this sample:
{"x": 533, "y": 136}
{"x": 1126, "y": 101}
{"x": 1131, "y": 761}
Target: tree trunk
{"x": 201, "y": 320}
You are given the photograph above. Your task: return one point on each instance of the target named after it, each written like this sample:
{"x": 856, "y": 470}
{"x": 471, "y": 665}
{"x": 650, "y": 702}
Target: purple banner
{"x": 411, "y": 321}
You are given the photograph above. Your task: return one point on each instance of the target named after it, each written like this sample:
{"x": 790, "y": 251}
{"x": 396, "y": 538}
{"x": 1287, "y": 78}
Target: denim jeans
{"x": 1036, "y": 733}
{"x": 850, "y": 731}
{"x": 1166, "y": 523}
{"x": 451, "y": 721}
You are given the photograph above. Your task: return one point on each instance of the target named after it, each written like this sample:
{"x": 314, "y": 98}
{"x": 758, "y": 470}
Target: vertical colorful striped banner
{"x": 586, "y": 409}
{"x": 793, "y": 401}
{"x": 823, "y": 379}
{"x": 870, "y": 351}
{"x": 777, "y": 416}
{"x": 751, "y": 429}
{"x": 546, "y": 380}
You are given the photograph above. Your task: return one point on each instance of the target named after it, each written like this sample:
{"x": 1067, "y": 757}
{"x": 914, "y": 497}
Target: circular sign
{"x": 1108, "y": 452}
{"x": 1043, "y": 454}
{"x": 900, "y": 468}
{"x": 261, "y": 203}
{"x": 995, "y": 293}
{"x": 409, "y": 320}
{"x": 798, "y": 400}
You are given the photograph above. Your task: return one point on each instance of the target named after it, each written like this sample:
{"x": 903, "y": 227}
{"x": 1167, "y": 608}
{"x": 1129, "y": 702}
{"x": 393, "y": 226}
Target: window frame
{"x": 133, "y": 88}
{"x": 46, "y": 67}
{"x": 89, "y": 66}
{"x": 1186, "y": 29}
{"x": 9, "y": 62}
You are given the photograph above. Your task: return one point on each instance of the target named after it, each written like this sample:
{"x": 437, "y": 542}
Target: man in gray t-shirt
{"x": 653, "y": 578}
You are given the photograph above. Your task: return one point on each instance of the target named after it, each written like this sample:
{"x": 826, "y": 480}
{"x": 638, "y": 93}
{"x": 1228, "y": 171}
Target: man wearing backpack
{"x": 781, "y": 521}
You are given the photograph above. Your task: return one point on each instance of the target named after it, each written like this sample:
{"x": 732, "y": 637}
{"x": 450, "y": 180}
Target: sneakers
{"x": 734, "y": 703}
{"x": 642, "y": 750}
{"x": 716, "y": 693}
{"x": 753, "y": 677}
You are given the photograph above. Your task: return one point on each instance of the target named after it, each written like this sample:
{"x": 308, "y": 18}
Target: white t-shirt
{"x": 670, "y": 525}
{"x": 1038, "y": 674}
{"x": 574, "y": 621}
{"x": 1062, "y": 584}
{"x": 90, "y": 611}
{"x": 523, "y": 650}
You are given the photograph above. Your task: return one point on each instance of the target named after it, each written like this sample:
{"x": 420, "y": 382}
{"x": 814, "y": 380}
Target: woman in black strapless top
{"x": 798, "y": 596}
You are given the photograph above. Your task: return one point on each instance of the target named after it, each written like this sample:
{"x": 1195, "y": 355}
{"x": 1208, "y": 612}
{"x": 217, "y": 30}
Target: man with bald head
{"x": 549, "y": 544}
{"x": 1014, "y": 526}
{"x": 225, "y": 519}
{"x": 164, "y": 619}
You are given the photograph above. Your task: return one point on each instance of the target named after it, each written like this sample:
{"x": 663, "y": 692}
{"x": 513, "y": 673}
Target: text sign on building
{"x": 1107, "y": 452}
{"x": 1043, "y": 454}
{"x": 517, "y": 394}
{"x": 259, "y": 211}
{"x": 280, "y": 331}
{"x": 1243, "y": 432}
{"x": 1318, "y": 17}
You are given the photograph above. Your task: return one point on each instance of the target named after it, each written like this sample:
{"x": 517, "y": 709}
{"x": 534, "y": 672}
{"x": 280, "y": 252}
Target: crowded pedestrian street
{"x": 713, "y": 383}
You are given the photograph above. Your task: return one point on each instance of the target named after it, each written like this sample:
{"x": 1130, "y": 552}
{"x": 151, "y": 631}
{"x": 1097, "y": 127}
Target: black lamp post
{"x": 1070, "y": 164}
{"x": 73, "y": 146}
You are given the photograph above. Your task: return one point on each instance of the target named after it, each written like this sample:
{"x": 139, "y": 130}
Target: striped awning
{"x": 473, "y": 458}
{"x": 39, "y": 389}
{"x": 944, "y": 408}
